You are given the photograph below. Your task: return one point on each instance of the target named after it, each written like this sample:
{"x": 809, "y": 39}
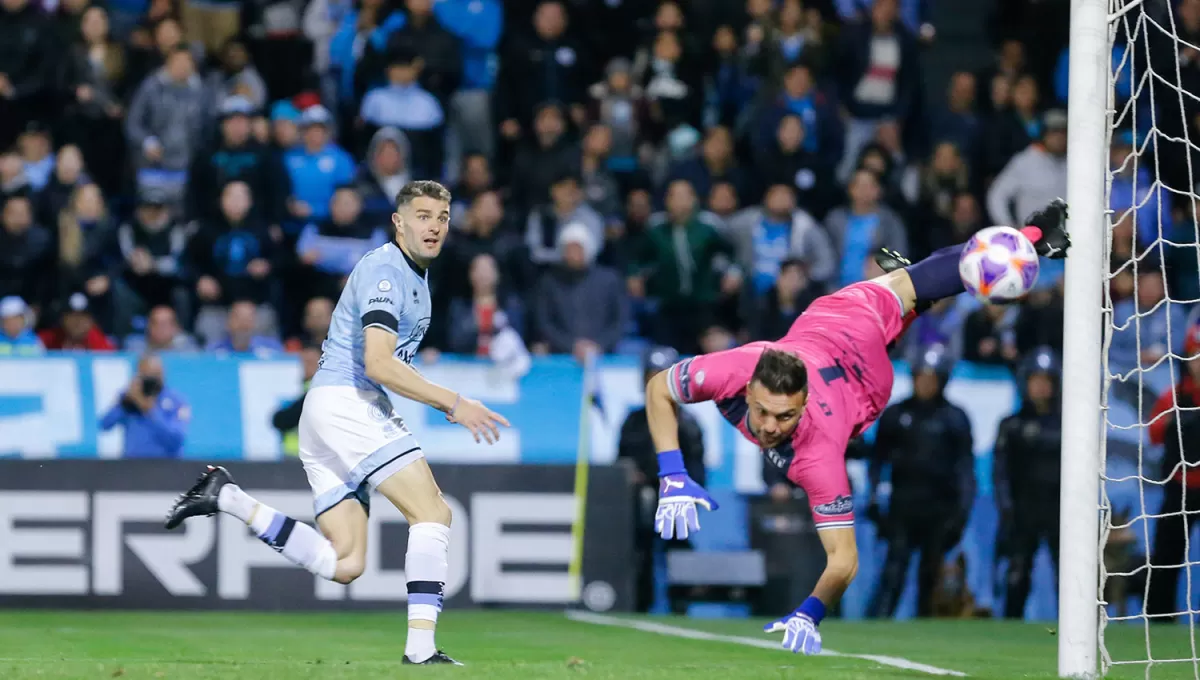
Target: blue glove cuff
{"x": 813, "y": 609}
{"x": 671, "y": 463}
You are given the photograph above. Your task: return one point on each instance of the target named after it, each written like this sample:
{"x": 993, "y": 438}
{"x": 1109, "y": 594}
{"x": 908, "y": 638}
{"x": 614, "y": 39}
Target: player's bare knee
{"x": 349, "y": 568}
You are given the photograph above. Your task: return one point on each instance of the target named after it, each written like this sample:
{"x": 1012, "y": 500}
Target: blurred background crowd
{"x": 686, "y": 174}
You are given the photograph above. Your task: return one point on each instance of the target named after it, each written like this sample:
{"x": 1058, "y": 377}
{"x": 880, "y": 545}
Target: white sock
{"x": 233, "y": 501}
{"x": 300, "y": 543}
{"x": 426, "y": 569}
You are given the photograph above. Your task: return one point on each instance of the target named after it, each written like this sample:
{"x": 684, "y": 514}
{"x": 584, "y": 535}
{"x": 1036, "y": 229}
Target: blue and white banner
{"x": 51, "y": 406}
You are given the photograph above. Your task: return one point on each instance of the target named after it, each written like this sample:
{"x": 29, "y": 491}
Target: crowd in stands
{"x": 692, "y": 173}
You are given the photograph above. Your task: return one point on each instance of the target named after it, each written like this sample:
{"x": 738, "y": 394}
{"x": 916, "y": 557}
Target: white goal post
{"x": 1088, "y": 111}
{"x": 1128, "y": 93}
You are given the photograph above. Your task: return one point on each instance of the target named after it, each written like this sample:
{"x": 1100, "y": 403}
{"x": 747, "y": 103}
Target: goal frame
{"x": 1089, "y": 110}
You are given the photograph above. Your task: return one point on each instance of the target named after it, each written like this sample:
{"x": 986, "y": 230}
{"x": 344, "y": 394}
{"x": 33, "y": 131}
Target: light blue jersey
{"x": 386, "y": 290}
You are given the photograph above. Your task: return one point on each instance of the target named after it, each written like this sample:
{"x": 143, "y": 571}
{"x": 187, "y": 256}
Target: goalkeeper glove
{"x": 678, "y": 497}
{"x": 1052, "y": 221}
{"x": 800, "y": 634}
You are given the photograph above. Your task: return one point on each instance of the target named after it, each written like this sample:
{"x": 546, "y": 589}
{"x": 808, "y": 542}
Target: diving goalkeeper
{"x": 802, "y": 398}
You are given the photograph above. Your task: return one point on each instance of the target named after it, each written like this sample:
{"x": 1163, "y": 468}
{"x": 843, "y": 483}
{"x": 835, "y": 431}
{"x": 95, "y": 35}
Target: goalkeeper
{"x": 802, "y": 398}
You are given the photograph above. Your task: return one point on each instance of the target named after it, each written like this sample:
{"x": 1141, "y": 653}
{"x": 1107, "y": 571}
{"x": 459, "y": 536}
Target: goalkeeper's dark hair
{"x": 422, "y": 187}
{"x": 780, "y": 372}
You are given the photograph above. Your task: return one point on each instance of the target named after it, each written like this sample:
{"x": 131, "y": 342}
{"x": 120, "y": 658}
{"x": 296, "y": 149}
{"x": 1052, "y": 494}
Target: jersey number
{"x": 830, "y": 374}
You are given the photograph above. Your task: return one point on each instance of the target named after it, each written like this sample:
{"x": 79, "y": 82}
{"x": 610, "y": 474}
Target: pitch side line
{"x": 676, "y": 631}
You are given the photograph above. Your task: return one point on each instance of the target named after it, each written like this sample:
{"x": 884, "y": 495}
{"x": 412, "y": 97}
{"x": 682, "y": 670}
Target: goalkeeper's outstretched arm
{"x": 841, "y": 564}
{"x": 661, "y": 414}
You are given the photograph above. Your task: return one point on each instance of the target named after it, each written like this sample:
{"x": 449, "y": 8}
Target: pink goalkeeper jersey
{"x": 842, "y": 339}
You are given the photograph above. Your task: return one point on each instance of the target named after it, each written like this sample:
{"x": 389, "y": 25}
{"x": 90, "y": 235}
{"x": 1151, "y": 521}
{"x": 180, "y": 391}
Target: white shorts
{"x": 350, "y": 441}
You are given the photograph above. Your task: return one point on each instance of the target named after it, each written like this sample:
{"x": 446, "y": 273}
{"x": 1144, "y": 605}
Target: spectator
{"x": 285, "y": 129}
{"x": 419, "y": 31}
{"x": 715, "y": 164}
{"x": 862, "y": 227}
{"x": 600, "y": 189}
{"x": 943, "y": 179}
{"x": 800, "y": 97}
{"x": 237, "y": 156}
{"x": 67, "y": 177}
{"x": 957, "y": 121}
{"x": 211, "y": 23}
{"x": 775, "y": 311}
{"x": 88, "y": 255}
{"x": 1033, "y": 177}
{"x": 731, "y": 83}
{"x": 26, "y": 64}
{"x": 547, "y": 221}
{"x": 684, "y": 264}
{"x": 405, "y": 105}
{"x": 235, "y": 76}
{"x": 25, "y": 253}
{"x": 1175, "y": 424}
{"x": 617, "y": 103}
{"x": 767, "y": 236}
{"x": 486, "y": 231}
{"x": 316, "y": 167}
{"x": 241, "y": 335}
{"x": 381, "y": 176}
{"x": 152, "y": 245}
{"x": 550, "y": 156}
{"x": 1133, "y": 189}
{"x": 152, "y": 53}
{"x": 287, "y": 419}
{"x": 1015, "y": 127}
{"x": 476, "y": 23}
{"x": 66, "y": 19}
{"x": 966, "y": 218}
{"x": 877, "y": 76}
{"x": 474, "y": 322}
{"x": 165, "y": 124}
{"x": 787, "y": 161}
{"x": 360, "y": 23}
{"x": 16, "y": 330}
{"x": 579, "y": 306}
{"x": 77, "y": 330}
{"x": 989, "y": 335}
{"x": 318, "y": 314}
{"x": 549, "y": 65}
{"x": 1145, "y": 328}
{"x": 37, "y": 155}
{"x": 798, "y": 37}
{"x": 1008, "y": 65}
{"x": 475, "y": 179}
{"x": 12, "y": 176}
{"x": 271, "y": 29}
{"x": 154, "y": 416}
{"x": 1040, "y": 319}
{"x": 329, "y": 250}
{"x": 233, "y": 258}
{"x": 672, "y": 85}
{"x": 163, "y": 334}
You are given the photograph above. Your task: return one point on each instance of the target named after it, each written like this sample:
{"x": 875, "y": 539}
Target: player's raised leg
{"x": 923, "y": 283}
{"x": 415, "y": 493}
{"x": 338, "y": 558}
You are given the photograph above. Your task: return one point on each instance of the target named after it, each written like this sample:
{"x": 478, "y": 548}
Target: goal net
{"x": 1149, "y": 584}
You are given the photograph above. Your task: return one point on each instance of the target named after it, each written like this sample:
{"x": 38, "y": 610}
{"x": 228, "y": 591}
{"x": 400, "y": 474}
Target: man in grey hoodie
{"x": 1033, "y": 177}
{"x": 166, "y": 123}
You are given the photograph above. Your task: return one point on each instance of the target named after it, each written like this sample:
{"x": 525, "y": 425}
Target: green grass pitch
{"x": 505, "y": 645}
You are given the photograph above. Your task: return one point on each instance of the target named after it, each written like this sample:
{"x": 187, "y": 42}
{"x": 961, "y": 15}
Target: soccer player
{"x": 351, "y": 440}
{"x": 803, "y": 397}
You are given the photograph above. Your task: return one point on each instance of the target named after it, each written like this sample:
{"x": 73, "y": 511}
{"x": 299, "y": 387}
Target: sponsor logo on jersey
{"x": 384, "y": 286}
{"x": 380, "y": 301}
{"x": 841, "y": 505}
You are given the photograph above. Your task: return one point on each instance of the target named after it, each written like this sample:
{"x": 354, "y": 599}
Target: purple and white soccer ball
{"x": 998, "y": 264}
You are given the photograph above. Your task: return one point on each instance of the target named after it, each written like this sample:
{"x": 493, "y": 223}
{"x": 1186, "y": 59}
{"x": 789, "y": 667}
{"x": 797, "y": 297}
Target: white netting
{"x": 1151, "y": 290}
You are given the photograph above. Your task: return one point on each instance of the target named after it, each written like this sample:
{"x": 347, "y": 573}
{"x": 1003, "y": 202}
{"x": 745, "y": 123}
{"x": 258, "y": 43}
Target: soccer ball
{"x": 998, "y": 264}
